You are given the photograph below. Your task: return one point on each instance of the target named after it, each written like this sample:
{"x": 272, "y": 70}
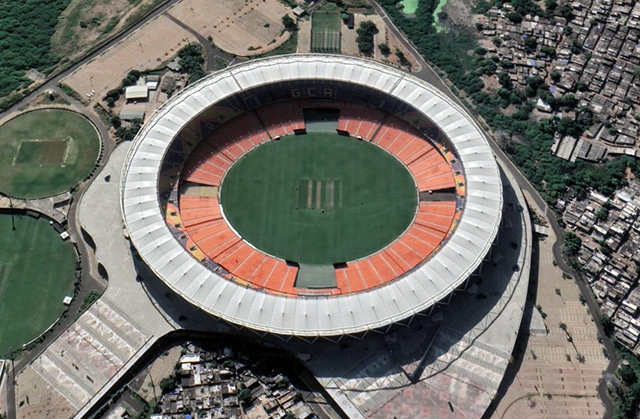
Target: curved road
{"x": 426, "y": 73}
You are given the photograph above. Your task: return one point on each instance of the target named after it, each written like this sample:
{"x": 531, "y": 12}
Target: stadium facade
{"x": 159, "y": 157}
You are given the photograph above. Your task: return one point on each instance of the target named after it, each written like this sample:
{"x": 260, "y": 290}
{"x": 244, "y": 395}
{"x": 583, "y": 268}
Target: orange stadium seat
{"x": 369, "y": 273}
{"x": 261, "y": 274}
{"x": 385, "y": 266}
{"x": 250, "y": 265}
{"x": 232, "y": 260}
{"x": 277, "y": 276}
{"x": 354, "y": 278}
{"x": 216, "y": 239}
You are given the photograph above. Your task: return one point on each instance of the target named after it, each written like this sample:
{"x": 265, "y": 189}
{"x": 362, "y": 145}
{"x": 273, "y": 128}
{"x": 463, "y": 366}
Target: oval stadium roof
{"x": 319, "y": 315}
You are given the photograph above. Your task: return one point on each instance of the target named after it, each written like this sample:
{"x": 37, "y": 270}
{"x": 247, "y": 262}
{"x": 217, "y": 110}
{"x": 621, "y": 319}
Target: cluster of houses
{"x": 594, "y": 55}
{"x": 219, "y": 384}
{"x": 610, "y": 254}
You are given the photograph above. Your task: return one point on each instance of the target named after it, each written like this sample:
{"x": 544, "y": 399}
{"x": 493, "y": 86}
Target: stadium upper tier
{"x": 180, "y": 157}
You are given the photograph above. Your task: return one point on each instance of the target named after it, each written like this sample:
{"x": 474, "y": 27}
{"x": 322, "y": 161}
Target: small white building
{"x": 136, "y": 93}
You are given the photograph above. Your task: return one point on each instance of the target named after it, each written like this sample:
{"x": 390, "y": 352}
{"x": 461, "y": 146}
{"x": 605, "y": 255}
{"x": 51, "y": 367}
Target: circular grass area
{"x": 319, "y": 198}
{"x": 46, "y": 152}
{"x": 36, "y": 273}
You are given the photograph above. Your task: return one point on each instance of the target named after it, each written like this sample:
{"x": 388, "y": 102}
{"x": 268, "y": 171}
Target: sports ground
{"x": 325, "y": 32}
{"x": 36, "y": 273}
{"x": 319, "y": 198}
{"x": 46, "y": 152}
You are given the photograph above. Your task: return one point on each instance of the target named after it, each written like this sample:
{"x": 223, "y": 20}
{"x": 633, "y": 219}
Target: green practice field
{"x": 319, "y": 198}
{"x": 36, "y": 273}
{"x": 46, "y": 152}
{"x": 325, "y": 32}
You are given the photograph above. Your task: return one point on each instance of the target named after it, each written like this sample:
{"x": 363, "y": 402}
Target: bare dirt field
{"x": 242, "y": 28}
{"x": 459, "y": 13}
{"x": 84, "y": 23}
{"x": 146, "y": 48}
{"x": 304, "y": 37}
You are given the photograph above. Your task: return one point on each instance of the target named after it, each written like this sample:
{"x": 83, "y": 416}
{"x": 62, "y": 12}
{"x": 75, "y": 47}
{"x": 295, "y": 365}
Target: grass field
{"x": 319, "y": 198}
{"x": 36, "y": 273}
{"x": 409, "y": 6}
{"x": 46, "y": 152}
{"x": 325, "y": 32}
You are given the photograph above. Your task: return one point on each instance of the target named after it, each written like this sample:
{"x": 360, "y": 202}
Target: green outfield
{"x": 46, "y": 152}
{"x": 319, "y": 198}
{"x": 36, "y": 273}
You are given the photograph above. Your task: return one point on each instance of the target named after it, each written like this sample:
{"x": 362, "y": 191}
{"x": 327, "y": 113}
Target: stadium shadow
{"x": 408, "y": 353}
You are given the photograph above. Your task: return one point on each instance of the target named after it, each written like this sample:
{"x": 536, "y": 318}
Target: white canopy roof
{"x": 311, "y": 316}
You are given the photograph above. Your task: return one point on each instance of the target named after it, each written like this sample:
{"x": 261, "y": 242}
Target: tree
{"x": 480, "y": 51}
{"x": 566, "y": 11}
{"x": 402, "y": 58}
{"x": 384, "y": 49}
{"x": 602, "y": 214}
{"x": 366, "y": 32}
{"x": 572, "y": 243}
{"x": 555, "y": 76}
{"x": 550, "y": 51}
{"x": 168, "y": 384}
{"x": 116, "y": 122}
{"x": 530, "y": 44}
{"x": 607, "y": 325}
{"x": 191, "y": 59}
{"x": 505, "y": 80}
{"x": 514, "y": 17}
{"x": 289, "y": 23}
{"x": 245, "y": 396}
{"x": 627, "y": 374}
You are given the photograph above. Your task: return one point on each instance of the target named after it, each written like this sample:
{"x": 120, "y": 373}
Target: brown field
{"x": 243, "y": 28}
{"x": 146, "y": 48}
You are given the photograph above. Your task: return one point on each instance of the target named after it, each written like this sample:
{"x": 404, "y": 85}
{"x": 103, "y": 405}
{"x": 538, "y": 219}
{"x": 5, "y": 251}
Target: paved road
{"x": 426, "y": 73}
{"x": 211, "y": 51}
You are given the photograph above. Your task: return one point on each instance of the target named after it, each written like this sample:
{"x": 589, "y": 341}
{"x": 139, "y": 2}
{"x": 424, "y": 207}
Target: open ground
{"x": 240, "y": 28}
{"x": 558, "y": 377}
{"x": 84, "y": 23}
{"x": 36, "y": 273}
{"x": 319, "y": 198}
{"x": 46, "y": 152}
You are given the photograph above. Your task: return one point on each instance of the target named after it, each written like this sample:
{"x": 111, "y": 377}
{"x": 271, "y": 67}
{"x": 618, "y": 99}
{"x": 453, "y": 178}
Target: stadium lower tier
{"x": 209, "y": 237}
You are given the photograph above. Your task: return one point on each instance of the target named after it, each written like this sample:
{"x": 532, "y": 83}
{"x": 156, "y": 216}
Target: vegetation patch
{"x": 26, "y": 28}
{"x": 36, "y": 273}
